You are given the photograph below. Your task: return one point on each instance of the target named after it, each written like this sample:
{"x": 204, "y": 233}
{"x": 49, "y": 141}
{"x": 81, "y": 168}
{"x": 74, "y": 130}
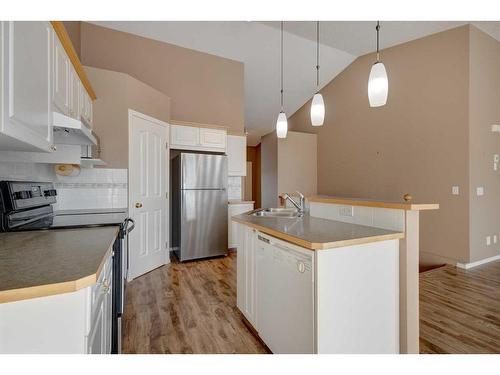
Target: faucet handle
{"x": 300, "y": 194}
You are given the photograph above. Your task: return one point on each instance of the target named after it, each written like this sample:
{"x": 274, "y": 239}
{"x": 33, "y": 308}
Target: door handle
{"x": 138, "y": 205}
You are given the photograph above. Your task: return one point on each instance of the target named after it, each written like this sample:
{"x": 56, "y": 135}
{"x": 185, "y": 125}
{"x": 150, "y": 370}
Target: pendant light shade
{"x": 378, "y": 85}
{"x": 281, "y": 122}
{"x": 317, "y": 103}
{"x": 281, "y": 125}
{"x": 317, "y": 110}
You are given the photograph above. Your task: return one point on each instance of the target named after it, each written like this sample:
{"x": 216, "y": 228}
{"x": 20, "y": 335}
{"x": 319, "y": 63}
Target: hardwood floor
{"x": 187, "y": 308}
{"x": 460, "y": 310}
{"x": 191, "y": 308}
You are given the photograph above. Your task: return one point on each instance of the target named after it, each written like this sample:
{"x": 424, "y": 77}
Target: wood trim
{"x": 408, "y": 206}
{"x": 13, "y": 295}
{"x": 318, "y": 245}
{"x": 63, "y": 36}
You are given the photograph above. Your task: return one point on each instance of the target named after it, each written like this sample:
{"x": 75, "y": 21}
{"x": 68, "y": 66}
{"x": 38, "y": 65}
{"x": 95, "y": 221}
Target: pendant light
{"x": 378, "y": 86}
{"x": 317, "y": 104}
{"x": 281, "y": 123}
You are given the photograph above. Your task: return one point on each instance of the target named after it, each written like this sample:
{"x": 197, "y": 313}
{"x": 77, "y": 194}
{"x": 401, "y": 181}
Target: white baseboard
{"x": 467, "y": 266}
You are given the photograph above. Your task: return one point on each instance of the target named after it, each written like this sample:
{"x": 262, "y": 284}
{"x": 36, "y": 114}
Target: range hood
{"x": 69, "y": 131}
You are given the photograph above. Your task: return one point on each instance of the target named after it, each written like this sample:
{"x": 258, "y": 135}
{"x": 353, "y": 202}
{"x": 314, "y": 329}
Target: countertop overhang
{"x": 315, "y": 233}
{"x": 48, "y": 262}
{"x": 401, "y": 205}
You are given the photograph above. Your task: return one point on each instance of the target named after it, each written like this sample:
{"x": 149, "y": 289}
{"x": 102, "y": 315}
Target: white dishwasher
{"x": 285, "y": 296}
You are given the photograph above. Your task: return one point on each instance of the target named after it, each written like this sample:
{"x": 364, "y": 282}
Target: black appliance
{"x": 29, "y": 206}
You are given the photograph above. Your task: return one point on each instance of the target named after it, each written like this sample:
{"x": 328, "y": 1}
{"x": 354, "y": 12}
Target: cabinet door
{"x": 240, "y": 268}
{"x": 250, "y": 275}
{"x": 184, "y": 136}
{"x": 26, "y": 53}
{"x": 213, "y": 138}
{"x": 236, "y": 155}
{"x": 74, "y": 102}
{"x": 61, "y": 77}
{"x": 96, "y": 341}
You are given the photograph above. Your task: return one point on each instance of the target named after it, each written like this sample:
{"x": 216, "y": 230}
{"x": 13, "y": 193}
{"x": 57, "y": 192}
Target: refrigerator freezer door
{"x": 203, "y": 224}
{"x": 203, "y": 171}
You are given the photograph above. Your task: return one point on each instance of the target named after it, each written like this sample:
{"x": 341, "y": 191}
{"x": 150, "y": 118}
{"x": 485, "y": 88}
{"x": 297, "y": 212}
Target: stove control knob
{"x": 50, "y": 193}
{"x": 24, "y": 194}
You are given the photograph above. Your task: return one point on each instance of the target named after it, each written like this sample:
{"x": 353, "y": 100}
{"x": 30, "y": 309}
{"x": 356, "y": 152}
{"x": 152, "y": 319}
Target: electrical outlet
{"x": 455, "y": 190}
{"x": 488, "y": 240}
{"x": 480, "y": 191}
{"x": 494, "y": 238}
{"x": 346, "y": 211}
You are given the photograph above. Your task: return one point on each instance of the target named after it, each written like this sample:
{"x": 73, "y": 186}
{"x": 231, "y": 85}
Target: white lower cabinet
{"x": 246, "y": 272}
{"x": 232, "y": 210}
{"x": 70, "y": 323}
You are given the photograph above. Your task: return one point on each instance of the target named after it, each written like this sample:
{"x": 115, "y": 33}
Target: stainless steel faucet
{"x": 301, "y": 205}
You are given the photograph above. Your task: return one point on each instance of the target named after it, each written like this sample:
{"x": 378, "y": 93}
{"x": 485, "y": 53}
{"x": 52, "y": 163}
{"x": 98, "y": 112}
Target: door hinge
{"x": 166, "y": 195}
{"x": 166, "y": 145}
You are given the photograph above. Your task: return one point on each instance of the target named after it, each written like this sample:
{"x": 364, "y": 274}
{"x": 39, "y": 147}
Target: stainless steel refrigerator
{"x": 199, "y": 205}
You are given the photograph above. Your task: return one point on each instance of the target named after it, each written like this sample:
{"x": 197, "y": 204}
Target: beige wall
{"x": 269, "y": 170}
{"x": 484, "y": 110}
{"x": 203, "y": 88}
{"x": 288, "y": 165}
{"x": 415, "y": 144}
{"x": 297, "y": 163}
{"x": 116, "y": 93}
{"x": 74, "y": 31}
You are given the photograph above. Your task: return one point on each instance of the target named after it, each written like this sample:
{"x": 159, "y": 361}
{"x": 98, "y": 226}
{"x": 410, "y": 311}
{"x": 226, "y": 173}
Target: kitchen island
{"x": 313, "y": 285}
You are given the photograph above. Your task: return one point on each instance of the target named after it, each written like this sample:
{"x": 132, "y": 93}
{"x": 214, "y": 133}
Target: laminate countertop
{"x": 47, "y": 262}
{"x": 315, "y": 233}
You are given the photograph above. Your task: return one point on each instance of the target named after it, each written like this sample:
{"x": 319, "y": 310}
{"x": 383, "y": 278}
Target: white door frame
{"x": 133, "y": 113}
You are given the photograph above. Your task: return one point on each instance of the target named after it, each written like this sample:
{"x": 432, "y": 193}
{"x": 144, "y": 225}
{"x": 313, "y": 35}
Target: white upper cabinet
{"x": 236, "y": 155}
{"x": 213, "y": 138}
{"x": 85, "y": 107}
{"x": 74, "y": 94}
{"x": 197, "y": 139}
{"x": 37, "y": 78}
{"x": 26, "y": 85}
{"x": 61, "y": 78}
{"x": 184, "y": 136}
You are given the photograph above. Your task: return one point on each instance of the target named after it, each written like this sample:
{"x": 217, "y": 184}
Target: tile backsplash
{"x": 92, "y": 188}
{"x": 234, "y": 188}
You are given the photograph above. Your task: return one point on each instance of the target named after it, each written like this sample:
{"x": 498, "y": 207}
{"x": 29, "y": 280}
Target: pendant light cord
{"x": 317, "y": 56}
{"x": 378, "y": 41}
{"x": 281, "y": 66}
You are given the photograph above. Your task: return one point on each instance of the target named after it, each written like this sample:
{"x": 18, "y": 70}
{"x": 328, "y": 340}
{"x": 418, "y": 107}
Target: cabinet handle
{"x": 138, "y": 205}
{"x": 53, "y": 148}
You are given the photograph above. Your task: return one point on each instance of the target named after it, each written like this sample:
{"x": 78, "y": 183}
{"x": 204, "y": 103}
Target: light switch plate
{"x": 488, "y": 240}
{"x": 455, "y": 190}
{"x": 480, "y": 191}
{"x": 494, "y": 238}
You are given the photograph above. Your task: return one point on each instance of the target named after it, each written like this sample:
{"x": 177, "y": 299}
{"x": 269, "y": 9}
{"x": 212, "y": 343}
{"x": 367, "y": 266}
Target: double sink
{"x": 277, "y": 212}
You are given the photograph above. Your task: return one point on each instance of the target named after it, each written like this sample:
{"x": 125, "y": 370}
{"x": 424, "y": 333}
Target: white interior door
{"x": 148, "y": 193}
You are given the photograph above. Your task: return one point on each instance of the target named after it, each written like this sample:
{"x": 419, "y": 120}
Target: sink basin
{"x": 277, "y": 212}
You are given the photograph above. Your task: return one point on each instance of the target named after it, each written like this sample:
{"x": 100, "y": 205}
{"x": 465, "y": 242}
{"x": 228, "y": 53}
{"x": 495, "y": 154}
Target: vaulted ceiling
{"x": 256, "y": 44}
